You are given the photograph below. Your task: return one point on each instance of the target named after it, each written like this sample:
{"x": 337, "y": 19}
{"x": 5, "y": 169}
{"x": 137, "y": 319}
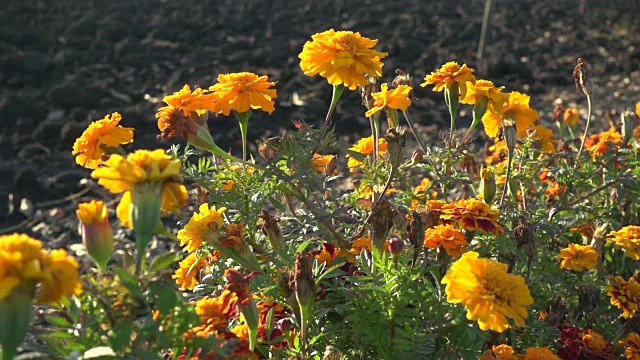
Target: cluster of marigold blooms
{"x": 151, "y": 181}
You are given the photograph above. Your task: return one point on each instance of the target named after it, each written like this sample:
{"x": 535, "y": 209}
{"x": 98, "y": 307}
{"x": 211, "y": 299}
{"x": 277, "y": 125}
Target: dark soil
{"x": 64, "y": 63}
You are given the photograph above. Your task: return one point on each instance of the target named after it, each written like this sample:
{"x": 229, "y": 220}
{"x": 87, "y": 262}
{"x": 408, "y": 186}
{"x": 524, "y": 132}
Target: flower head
{"x": 207, "y": 224}
{"x": 342, "y": 57}
{"x": 490, "y": 294}
{"x": 532, "y": 353}
{"x": 215, "y": 314}
{"x": 499, "y": 352}
{"x": 194, "y": 102}
{"x": 446, "y": 237}
{"x": 571, "y": 117}
{"x": 21, "y": 259}
{"x": 625, "y": 295}
{"x": 518, "y": 108}
{"x": 473, "y": 214}
{"x": 188, "y": 274}
{"x": 486, "y": 89}
{"x": 631, "y": 342}
{"x": 98, "y": 137}
{"x": 61, "y": 278}
{"x": 584, "y": 345}
{"x": 449, "y": 75}
{"x": 365, "y": 148}
{"x": 578, "y": 257}
{"x": 320, "y": 162}
{"x": 397, "y": 98}
{"x": 627, "y": 238}
{"x": 545, "y": 139}
{"x": 242, "y": 92}
{"x": 599, "y": 144}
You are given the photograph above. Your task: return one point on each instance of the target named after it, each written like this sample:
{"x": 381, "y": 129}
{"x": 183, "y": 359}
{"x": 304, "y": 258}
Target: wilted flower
{"x": 446, "y": 237}
{"x": 205, "y": 225}
{"x": 532, "y": 353}
{"x": 571, "y": 117}
{"x": 449, "y": 75}
{"x": 584, "y": 345}
{"x": 627, "y": 238}
{"x": 242, "y": 92}
{"x": 631, "y": 342}
{"x": 517, "y": 107}
{"x": 473, "y": 214}
{"x": 342, "y": 57}
{"x": 397, "y": 99}
{"x": 578, "y": 257}
{"x": 102, "y": 137}
{"x": 365, "y": 148}
{"x": 490, "y": 294}
{"x": 95, "y": 229}
{"x": 625, "y": 295}
{"x": 499, "y": 352}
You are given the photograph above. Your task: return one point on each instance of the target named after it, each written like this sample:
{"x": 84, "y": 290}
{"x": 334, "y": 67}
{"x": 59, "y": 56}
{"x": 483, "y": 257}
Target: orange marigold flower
{"x": 578, "y": 257}
{"x": 631, "y": 342}
{"x": 473, "y": 214}
{"x": 554, "y": 190}
{"x": 448, "y": 75}
{"x": 365, "y": 148}
{"x": 544, "y": 138}
{"x": 446, "y": 237}
{"x": 421, "y": 193}
{"x": 499, "y": 352}
{"x": 638, "y": 108}
{"x": 330, "y": 253}
{"x": 490, "y": 294}
{"x": 532, "y": 353}
{"x": 485, "y": 89}
{"x": 496, "y": 153}
{"x": 599, "y": 144}
{"x": 364, "y": 243}
{"x": 242, "y": 92}
{"x": 584, "y": 345}
{"x": 571, "y": 117}
{"x": 517, "y": 107}
{"x": 627, "y": 238}
{"x": 194, "y": 102}
{"x": 215, "y": 313}
{"x": 625, "y": 295}
{"x": 207, "y": 224}
{"x": 96, "y": 140}
{"x": 342, "y": 57}
{"x": 187, "y": 275}
{"x": 320, "y": 162}
{"x": 397, "y": 99}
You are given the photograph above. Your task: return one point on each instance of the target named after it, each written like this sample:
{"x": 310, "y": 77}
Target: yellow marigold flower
{"x": 631, "y": 342}
{"x": 341, "y": 57}
{"x": 545, "y": 139}
{"x": 473, "y": 214}
{"x": 599, "y": 144}
{"x": 496, "y": 153}
{"x": 450, "y": 74}
{"x": 533, "y": 353}
{"x": 489, "y": 292}
{"x": 571, "y": 117}
{"x": 215, "y": 314}
{"x": 204, "y": 225}
{"x": 143, "y": 167}
{"x": 242, "y": 92}
{"x": 100, "y": 135}
{"x": 364, "y": 147}
{"x": 486, "y": 89}
{"x": 578, "y": 257}
{"x": 21, "y": 260}
{"x": 499, "y": 352}
{"x": 518, "y": 107}
{"x": 446, "y": 237}
{"x": 61, "y": 278}
{"x": 397, "y": 98}
{"x": 187, "y": 275}
{"x": 627, "y": 238}
{"x": 319, "y": 163}
{"x": 625, "y": 295}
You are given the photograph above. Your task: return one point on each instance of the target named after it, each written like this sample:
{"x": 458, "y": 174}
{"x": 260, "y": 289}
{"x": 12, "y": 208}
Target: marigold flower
{"x": 138, "y": 170}
{"x": 499, "y": 352}
{"x": 584, "y": 345}
{"x": 571, "y": 117}
{"x": 631, "y": 342}
{"x": 421, "y": 193}
{"x": 194, "y": 102}
{"x": 532, "y": 353}
{"x": 485, "y": 89}
{"x": 359, "y": 244}
{"x": 215, "y": 313}
{"x": 578, "y": 257}
{"x": 518, "y": 107}
{"x": 96, "y": 140}
{"x": 488, "y": 291}
{"x": 599, "y": 144}
{"x": 320, "y": 162}
{"x": 397, "y": 98}
{"x": 638, "y": 108}
{"x": 342, "y": 57}
{"x": 21, "y": 260}
{"x": 207, "y": 224}
{"x": 496, "y": 153}
{"x": 627, "y": 238}
{"x": 448, "y": 75}
{"x": 61, "y": 278}
{"x": 625, "y": 295}
{"x": 364, "y": 147}
{"x": 95, "y": 229}
{"x": 473, "y": 214}
{"x": 242, "y": 92}
{"x": 187, "y": 275}
{"x": 446, "y": 237}
{"x": 545, "y": 139}
{"x": 330, "y": 253}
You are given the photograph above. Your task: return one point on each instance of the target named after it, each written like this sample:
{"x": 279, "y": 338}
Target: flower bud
{"x": 395, "y": 145}
{"x": 417, "y": 156}
{"x": 628, "y": 121}
{"x": 270, "y": 228}
{"x": 395, "y": 246}
{"x": 509, "y": 130}
{"x": 487, "y": 185}
{"x": 304, "y": 285}
{"x": 97, "y": 236}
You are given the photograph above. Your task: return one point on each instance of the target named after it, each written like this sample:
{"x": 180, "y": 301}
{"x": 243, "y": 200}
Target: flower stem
{"x": 506, "y": 183}
{"x": 337, "y": 92}
{"x": 586, "y": 129}
{"x": 243, "y": 120}
{"x": 413, "y": 131}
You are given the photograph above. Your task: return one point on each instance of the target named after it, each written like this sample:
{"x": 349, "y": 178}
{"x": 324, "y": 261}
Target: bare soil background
{"x": 64, "y": 63}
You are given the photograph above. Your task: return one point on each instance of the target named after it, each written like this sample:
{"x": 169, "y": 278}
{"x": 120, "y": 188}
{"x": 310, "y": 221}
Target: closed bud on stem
{"x": 96, "y": 233}
{"x": 509, "y": 130}
{"x": 271, "y": 229}
{"x": 417, "y": 156}
{"x": 628, "y": 120}
{"x": 395, "y": 246}
{"x": 239, "y": 285}
{"x": 303, "y": 285}
{"x": 487, "y": 185}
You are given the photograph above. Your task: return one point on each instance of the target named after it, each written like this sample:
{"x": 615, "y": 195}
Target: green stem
{"x": 243, "y": 120}
{"x": 506, "y": 183}
{"x": 337, "y": 92}
{"x": 586, "y": 129}
{"x": 413, "y": 131}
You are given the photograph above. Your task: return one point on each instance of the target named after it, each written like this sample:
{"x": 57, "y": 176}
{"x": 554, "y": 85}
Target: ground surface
{"x": 64, "y": 63}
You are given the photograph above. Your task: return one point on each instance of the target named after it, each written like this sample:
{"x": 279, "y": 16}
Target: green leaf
{"x": 163, "y": 261}
{"x": 58, "y": 321}
{"x": 128, "y": 281}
